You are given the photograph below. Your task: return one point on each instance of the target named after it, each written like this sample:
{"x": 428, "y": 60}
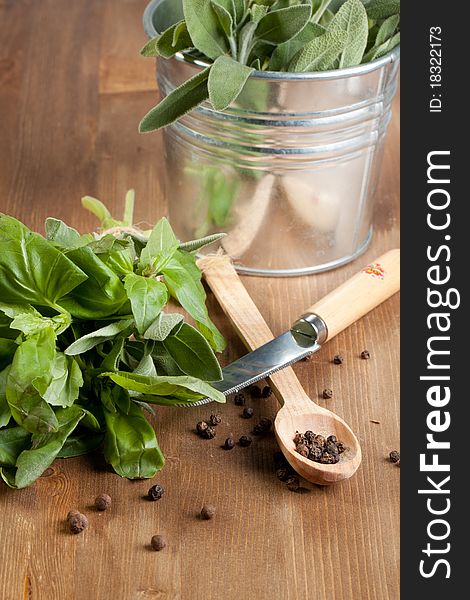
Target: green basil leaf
{"x": 195, "y": 245}
{"x": 90, "y": 340}
{"x": 31, "y": 270}
{"x": 387, "y": 29}
{"x": 83, "y": 443}
{"x": 181, "y": 100}
{"x": 226, "y": 80}
{"x": 147, "y": 297}
{"x": 352, "y": 19}
{"x": 320, "y": 54}
{"x": 12, "y": 443}
{"x": 61, "y": 234}
{"x": 382, "y": 9}
{"x": 27, "y": 319}
{"x": 101, "y": 295}
{"x": 31, "y": 369}
{"x": 7, "y": 351}
{"x": 161, "y": 246}
{"x": 130, "y": 445}
{"x": 279, "y": 26}
{"x": 100, "y": 211}
{"x": 204, "y": 28}
{"x": 31, "y": 464}
{"x": 66, "y": 381}
{"x": 89, "y": 420}
{"x": 5, "y": 412}
{"x": 193, "y": 354}
{"x": 184, "y": 387}
{"x": 163, "y": 325}
{"x": 8, "y": 476}
{"x": 183, "y": 280}
{"x": 225, "y": 18}
{"x": 284, "y": 53}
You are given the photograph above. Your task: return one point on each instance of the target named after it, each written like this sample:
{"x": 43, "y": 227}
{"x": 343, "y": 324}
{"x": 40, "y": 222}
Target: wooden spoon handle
{"x": 360, "y": 294}
{"x": 248, "y": 322}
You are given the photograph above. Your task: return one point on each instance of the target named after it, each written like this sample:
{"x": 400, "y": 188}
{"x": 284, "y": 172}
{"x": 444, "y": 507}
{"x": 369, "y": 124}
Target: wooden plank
{"x": 73, "y": 110}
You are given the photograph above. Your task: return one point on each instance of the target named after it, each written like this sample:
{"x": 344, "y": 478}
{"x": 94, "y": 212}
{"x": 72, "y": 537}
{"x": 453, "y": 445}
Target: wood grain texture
{"x": 70, "y": 111}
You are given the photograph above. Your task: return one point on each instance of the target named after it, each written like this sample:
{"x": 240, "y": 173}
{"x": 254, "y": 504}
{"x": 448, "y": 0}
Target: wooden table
{"x": 72, "y": 90}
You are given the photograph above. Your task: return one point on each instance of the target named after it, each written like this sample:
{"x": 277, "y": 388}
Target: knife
{"x": 374, "y": 284}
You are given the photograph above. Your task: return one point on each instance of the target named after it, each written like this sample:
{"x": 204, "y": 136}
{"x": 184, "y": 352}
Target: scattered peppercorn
{"x": 156, "y": 492}
{"x": 239, "y": 400}
{"x": 208, "y": 433}
{"x": 229, "y": 443}
{"x": 394, "y": 456}
{"x": 158, "y": 542}
{"x": 293, "y": 484}
{"x": 280, "y": 460}
{"x": 247, "y": 412}
{"x": 77, "y": 522}
{"x": 103, "y": 502}
{"x": 267, "y": 391}
{"x": 338, "y": 359}
{"x": 365, "y": 354}
{"x": 208, "y": 512}
{"x": 201, "y": 427}
{"x": 215, "y": 420}
{"x": 245, "y": 441}
{"x": 282, "y": 473}
{"x": 263, "y": 426}
{"x": 327, "y": 394}
{"x": 255, "y": 391}
{"x": 318, "y": 448}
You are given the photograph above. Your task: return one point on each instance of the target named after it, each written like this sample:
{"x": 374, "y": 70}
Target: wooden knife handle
{"x": 364, "y": 291}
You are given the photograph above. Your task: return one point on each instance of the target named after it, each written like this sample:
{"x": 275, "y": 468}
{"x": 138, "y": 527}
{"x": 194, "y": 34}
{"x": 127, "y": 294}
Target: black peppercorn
{"x": 155, "y": 492}
{"x": 239, "y": 400}
{"x": 365, "y": 354}
{"x": 245, "y": 441}
{"x": 309, "y": 436}
{"x": 315, "y": 453}
{"x": 77, "y": 522}
{"x": 103, "y": 502}
{"x": 158, "y": 542}
{"x": 302, "y": 449}
{"x": 332, "y": 438}
{"x": 208, "y": 433}
{"x": 247, "y": 412}
{"x": 394, "y": 456}
{"x": 263, "y": 426}
{"x": 331, "y": 448}
{"x": 319, "y": 440}
{"x": 280, "y": 460}
{"x": 255, "y": 391}
{"x": 298, "y": 438}
{"x": 201, "y": 427}
{"x": 293, "y": 484}
{"x": 215, "y": 420}
{"x": 329, "y": 459}
{"x": 267, "y": 391}
{"x": 341, "y": 447}
{"x": 327, "y": 394}
{"x": 208, "y": 512}
{"x": 229, "y": 443}
{"x": 338, "y": 359}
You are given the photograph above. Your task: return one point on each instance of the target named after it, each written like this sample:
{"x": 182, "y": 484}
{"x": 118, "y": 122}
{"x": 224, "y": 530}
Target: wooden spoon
{"x": 339, "y": 309}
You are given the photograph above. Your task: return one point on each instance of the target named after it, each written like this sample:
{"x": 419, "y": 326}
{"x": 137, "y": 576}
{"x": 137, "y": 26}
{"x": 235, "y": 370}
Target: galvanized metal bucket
{"x": 289, "y": 171}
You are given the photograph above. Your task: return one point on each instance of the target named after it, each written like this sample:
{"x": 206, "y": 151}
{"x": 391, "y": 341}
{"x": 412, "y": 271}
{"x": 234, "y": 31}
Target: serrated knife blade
{"x": 303, "y": 339}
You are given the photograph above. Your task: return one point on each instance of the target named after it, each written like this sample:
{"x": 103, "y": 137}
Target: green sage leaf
{"x": 204, "y": 28}
{"x": 279, "y": 26}
{"x": 163, "y": 325}
{"x": 174, "y": 39}
{"x": 181, "y": 100}
{"x": 387, "y": 29}
{"x": 90, "y": 340}
{"x": 352, "y": 19}
{"x": 193, "y": 354}
{"x": 195, "y": 245}
{"x": 320, "y": 54}
{"x": 225, "y": 18}
{"x": 284, "y": 53}
{"x": 226, "y": 80}
{"x": 382, "y": 9}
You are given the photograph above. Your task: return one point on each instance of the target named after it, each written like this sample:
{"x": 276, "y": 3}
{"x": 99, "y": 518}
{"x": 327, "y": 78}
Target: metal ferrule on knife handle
{"x": 310, "y": 328}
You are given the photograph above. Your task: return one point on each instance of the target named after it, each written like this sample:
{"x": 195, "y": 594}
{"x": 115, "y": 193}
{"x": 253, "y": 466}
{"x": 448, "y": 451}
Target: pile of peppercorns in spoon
{"x": 318, "y": 448}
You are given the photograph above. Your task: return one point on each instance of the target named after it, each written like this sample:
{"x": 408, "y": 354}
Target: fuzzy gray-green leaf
{"x": 279, "y": 26}
{"x": 181, "y": 100}
{"x": 320, "y": 54}
{"x": 226, "y": 80}
{"x": 382, "y": 9}
{"x": 352, "y": 19}
{"x": 204, "y": 28}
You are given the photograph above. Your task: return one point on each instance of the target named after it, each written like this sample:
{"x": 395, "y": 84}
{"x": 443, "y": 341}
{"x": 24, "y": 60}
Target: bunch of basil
{"x": 237, "y": 37}
{"x": 86, "y": 346}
